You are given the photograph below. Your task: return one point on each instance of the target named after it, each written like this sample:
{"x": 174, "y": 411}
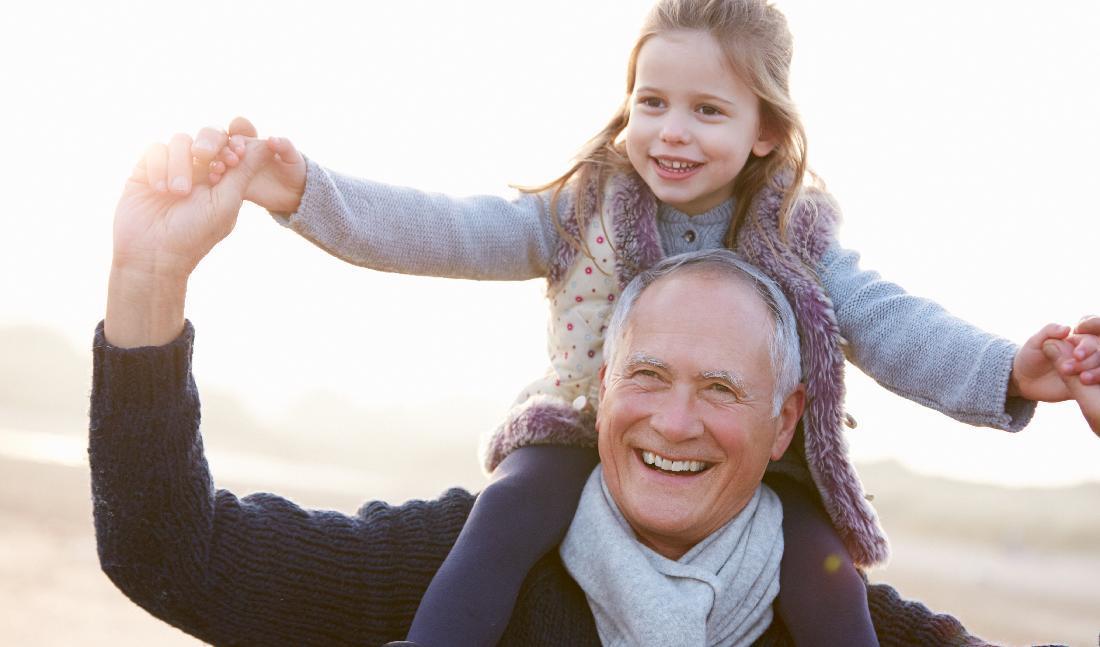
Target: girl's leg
{"x": 822, "y": 597}
{"x": 522, "y": 514}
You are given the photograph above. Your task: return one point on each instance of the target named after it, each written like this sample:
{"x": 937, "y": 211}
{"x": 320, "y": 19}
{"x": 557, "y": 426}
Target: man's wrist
{"x": 144, "y": 308}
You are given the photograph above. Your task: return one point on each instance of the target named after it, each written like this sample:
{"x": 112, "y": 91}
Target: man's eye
{"x": 721, "y": 389}
{"x": 646, "y": 374}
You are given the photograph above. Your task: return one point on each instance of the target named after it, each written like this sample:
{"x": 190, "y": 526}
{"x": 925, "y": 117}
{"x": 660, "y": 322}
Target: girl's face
{"x": 693, "y": 122}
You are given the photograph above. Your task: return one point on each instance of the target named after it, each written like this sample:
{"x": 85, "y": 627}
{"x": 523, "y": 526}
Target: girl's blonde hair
{"x": 754, "y": 36}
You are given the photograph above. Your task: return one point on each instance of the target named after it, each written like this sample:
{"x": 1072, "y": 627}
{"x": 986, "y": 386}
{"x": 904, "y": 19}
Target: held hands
{"x": 1087, "y": 396}
{"x": 1036, "y": 376}
{"x": 276, "y": 186}
{"x": 168, "y": 218}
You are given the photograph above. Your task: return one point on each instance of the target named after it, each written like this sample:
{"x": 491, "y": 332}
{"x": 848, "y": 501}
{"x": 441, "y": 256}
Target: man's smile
{"x": 657, "y": 462}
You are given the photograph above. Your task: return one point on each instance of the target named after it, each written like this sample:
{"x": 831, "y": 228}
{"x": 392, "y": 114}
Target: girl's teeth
{"x": 676, "y": 165}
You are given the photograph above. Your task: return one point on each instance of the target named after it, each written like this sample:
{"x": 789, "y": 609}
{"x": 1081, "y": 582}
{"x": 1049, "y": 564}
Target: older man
{"x": 700, "y": 392}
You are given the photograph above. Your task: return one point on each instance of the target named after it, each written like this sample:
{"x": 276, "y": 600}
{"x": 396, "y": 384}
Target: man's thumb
{"x": 235, "y": 182}
{"x": 242, "y": 126}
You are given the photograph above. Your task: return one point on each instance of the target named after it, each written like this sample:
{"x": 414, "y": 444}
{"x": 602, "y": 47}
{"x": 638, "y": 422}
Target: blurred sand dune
{"x": 1003, "y": 589}
{"x": 1017, "y": 566}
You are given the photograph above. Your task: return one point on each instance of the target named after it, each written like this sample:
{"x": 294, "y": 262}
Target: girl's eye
{"x": 709, "y": 111}
{"x": 651, "y": 102}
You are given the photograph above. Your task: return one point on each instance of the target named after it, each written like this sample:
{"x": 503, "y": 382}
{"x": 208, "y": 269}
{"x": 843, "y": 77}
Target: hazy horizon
{"x": 958, "y": 140}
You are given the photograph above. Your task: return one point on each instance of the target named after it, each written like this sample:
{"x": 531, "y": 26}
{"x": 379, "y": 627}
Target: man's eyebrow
{"x": 641, "y": 359}
{"x": 729, "y": 377}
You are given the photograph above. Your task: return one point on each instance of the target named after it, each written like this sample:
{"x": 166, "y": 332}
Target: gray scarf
{"x": 719, "y": 593}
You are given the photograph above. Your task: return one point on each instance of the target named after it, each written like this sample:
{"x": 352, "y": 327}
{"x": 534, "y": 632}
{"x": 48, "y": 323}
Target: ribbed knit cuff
{"x": 1015, "y": 412}
{"x": 311, "y": 195}
{"x": 156, "y": 378}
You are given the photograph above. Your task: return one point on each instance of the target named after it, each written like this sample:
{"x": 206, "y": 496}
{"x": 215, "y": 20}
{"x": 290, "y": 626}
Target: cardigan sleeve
{"x": 915, "y": 348}
{"x": 398, "y": 229}
{"x": 252, "y": 570}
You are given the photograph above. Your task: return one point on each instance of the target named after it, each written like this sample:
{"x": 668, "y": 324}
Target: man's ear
{"x": 603, "y": 389}
{"x": 787, "y": 421}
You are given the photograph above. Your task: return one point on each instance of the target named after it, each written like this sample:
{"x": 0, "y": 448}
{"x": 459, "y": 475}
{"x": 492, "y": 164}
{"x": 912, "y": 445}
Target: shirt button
{"x": 689, "y": 236}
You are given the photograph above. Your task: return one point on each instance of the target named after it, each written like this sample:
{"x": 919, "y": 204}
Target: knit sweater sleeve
{"x": 252, "y": 570}
{"x": 915, "y": 348}
{"x": 398, "y": 229}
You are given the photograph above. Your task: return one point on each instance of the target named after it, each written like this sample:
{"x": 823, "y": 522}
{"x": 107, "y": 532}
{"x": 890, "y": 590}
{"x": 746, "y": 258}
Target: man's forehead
{"x": 714, "y": 320}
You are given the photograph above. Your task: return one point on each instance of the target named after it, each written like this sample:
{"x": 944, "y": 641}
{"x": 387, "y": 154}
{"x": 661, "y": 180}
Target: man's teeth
{"x": 667, "y": 465}
{"x": 676, "y": 165}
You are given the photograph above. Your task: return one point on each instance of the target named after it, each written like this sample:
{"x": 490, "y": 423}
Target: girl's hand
{"x": 1033, "y": 375}
{"x": 277, "y": 186}
{"x": 1086, "y": 395}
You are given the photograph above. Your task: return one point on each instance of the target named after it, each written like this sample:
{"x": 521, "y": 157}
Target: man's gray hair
{"x": 785, "y": 357}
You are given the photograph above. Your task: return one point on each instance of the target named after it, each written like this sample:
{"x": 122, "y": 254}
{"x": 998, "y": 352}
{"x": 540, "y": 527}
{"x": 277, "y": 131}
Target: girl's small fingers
{"x": 207, "y": 144}
{"x": 156, "y": 167}
{"x": 180, "y": 165}
{"x": 218, "y": 167}
{"x": 228, "y": 157}
{"x": 214, "y": 178}
{"x": 237, "y": 144}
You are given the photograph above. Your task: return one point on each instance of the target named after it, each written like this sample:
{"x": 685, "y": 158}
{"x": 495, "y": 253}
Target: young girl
{"x": 706, "y": 150}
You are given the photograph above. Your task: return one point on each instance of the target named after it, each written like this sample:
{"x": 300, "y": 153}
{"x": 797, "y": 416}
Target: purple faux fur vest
{"x": 630, "y": 214}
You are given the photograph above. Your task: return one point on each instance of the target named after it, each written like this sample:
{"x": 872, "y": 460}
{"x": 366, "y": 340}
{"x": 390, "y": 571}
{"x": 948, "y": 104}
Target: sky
{"x": 960, "y": 139}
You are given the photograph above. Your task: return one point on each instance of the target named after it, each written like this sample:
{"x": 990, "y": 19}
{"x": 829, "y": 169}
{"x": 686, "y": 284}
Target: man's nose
{"x": 677, "y": 418}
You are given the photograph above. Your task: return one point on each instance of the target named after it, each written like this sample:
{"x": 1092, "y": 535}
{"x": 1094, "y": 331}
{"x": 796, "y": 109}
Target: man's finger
{"x": 180, "y": 166}
{"x": 242, "y": 126}
{"x": 232, "y": 185}
{"x": 155, "y": 167}
{"x": 1089, "y": 325}
{"x": 208, "y": 142}
{"x": 1086, "y": 345}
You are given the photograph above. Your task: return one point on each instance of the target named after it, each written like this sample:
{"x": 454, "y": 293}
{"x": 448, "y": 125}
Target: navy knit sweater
{"x": 260, "y": 570}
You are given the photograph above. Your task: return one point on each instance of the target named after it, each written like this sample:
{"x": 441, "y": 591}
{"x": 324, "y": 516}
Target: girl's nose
{"x": 674, "y": 131}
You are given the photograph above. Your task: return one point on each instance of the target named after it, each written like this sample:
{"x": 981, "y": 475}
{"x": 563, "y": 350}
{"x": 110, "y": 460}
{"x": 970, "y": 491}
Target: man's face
{"x": 685, "y": 420}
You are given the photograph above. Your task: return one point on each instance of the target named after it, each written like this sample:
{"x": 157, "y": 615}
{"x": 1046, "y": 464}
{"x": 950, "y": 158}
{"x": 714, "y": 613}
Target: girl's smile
{"x": 693, "y": 122}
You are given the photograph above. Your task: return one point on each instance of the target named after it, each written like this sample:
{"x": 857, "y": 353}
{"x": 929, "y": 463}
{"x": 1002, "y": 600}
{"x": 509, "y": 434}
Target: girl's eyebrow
{"x": 717, "y": 99}
{"x": 702, "y": 96}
